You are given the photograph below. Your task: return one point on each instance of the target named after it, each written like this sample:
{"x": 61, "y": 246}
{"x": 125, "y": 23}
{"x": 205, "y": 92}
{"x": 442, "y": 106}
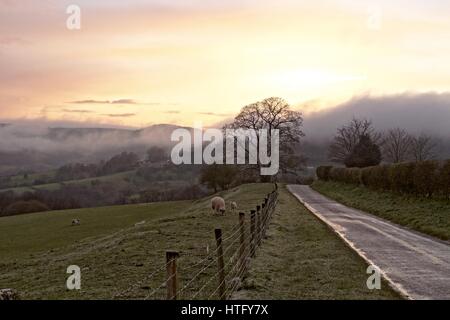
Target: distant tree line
{"x": 359, "y": 144}
{"x": 76, "y": 171}
{"x": 97, "y": 193}
{"x": 122, "y": 162}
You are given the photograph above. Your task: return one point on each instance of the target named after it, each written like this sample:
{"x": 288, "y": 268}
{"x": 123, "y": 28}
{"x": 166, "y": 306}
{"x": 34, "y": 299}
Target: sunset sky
{"x": 180, "y": 61}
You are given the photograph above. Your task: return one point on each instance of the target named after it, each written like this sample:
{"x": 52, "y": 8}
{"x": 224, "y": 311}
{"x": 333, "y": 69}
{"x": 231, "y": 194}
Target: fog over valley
{"x": 40, "y": 144}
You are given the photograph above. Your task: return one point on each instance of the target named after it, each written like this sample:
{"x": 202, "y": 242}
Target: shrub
{"x": 376, "y": 177}
{"x": 323, "y": 172}
{"x": 353, "y": 176}
{"x": 337, "y": 174}
{"x": 364, "y": 154}
{"x": 426, "y": 176}
{"x": 20, "y": 207}
{"x": 305, "y": 180}
{"x": 401, "y": 176}
{"x": 444, "y": 179}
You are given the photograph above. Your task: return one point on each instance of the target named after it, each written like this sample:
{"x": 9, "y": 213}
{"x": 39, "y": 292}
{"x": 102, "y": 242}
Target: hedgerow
{"x": 425, "y": 179}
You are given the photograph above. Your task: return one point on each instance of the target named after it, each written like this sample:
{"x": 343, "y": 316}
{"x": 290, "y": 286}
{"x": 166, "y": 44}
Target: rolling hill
{"x": 121, "y": 251}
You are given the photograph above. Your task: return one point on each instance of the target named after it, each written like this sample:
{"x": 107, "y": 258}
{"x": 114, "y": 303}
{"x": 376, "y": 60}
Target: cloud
{"x": 214, "y": 114}
{"x": 91, "y": 101}
{"x": 424, "y": 112}
{"x": 9, "y": 41}
{"x": 71, "y": 137}
{"x": 172, "y": 112}
{"x": 124, "y": 101}
{"x": 77, "y": 111}
{"x": 119, "y": 101}
{"x": 120, "y": 115}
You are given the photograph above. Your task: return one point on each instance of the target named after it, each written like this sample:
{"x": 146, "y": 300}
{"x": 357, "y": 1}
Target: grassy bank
{"x": 117, "y": 248}
{"x": 302, "y": 259}
{"x": 25, "y": 235}
{"x": 424, "y": 215}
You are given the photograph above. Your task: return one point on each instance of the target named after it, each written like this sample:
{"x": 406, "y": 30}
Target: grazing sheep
{"x": 218, "y": 205}
{"x": 76, "y": 222}
{"x": 8, "y": 294}
{"x": 233, "y": 206}
{"x": 139, "y": 223}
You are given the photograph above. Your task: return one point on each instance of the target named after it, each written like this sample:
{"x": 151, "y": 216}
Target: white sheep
{"x": 233, "y": 206}
{"x": 218, "y": 205}
{"x": 8, "y": 294}
{"x": 76, "y": 222}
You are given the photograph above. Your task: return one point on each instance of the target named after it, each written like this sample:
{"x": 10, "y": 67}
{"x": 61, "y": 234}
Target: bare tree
{"x": 397, "y": 145}
{"x": 423, "y": 147}
{"x": 274, "y": 114}
{"x": 348, "y": 136}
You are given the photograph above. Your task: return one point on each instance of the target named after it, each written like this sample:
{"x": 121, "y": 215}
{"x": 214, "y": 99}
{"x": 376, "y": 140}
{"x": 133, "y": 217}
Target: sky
{"x": 137, "y": 63}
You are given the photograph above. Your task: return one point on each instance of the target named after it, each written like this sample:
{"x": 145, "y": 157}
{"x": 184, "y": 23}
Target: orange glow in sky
{"x": 149, "y": 62}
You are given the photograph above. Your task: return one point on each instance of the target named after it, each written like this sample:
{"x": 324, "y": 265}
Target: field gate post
{"x": 171, "y": 260}
{"x": 220, "y": 263}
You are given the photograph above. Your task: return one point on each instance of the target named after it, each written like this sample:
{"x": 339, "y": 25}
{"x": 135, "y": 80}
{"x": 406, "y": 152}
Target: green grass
{"x": 22, "y": 181}
{"x": 24, "y": 235}
{"x": 300, "y": 259}
{"x": 83, "y": 182}
{"x": 111, "y": 251}
{"x": 428, "y": 216}
{"x": 129, "y": 176}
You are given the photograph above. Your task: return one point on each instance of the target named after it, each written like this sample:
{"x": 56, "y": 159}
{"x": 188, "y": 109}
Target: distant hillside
{"x": 61, "y": 134}
{"x": 25, "y": 147}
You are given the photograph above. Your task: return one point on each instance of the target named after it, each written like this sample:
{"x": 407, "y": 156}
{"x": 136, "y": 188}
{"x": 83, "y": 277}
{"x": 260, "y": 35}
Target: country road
{"x": 417, "y": 265}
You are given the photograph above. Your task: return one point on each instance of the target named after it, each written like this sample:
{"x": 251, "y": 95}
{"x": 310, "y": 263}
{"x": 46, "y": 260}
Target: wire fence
{"x": 221, "y": 272}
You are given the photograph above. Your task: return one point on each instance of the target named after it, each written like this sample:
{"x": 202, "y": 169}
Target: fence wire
{"x": 206, "y": 281}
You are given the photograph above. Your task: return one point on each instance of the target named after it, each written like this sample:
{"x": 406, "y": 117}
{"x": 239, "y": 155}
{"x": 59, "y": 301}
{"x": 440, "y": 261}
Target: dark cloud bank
{"x": 64, "y": 142}
{"x": 417, "y": 113}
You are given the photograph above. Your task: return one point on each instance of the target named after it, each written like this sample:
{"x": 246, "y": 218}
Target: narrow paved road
{"x": 418, "y": 265}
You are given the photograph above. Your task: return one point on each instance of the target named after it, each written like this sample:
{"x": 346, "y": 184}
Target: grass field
{"x": 55, "y": 186}
{"x": 27, "y": 180}
{"x": 25, "y": 235}
{"x": 302, "y": 259}
{"x": 424, "y": 215}
{"x": 116, "y": 256}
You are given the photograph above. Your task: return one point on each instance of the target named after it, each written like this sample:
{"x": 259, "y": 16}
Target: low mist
{"x": 417, "y": 113}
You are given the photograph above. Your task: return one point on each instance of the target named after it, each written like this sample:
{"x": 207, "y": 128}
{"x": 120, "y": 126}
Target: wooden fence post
{"x": 220, "y": 263}
{"x": 171, "y": 259}
{"x": 242, "y": 243}
{"x": 266, "y": 215}
{"x": 253, "y": 231}
{"x": 259, "y": 225}
{"x": 266, "y": 205}
{"x": 266, "y": 212}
